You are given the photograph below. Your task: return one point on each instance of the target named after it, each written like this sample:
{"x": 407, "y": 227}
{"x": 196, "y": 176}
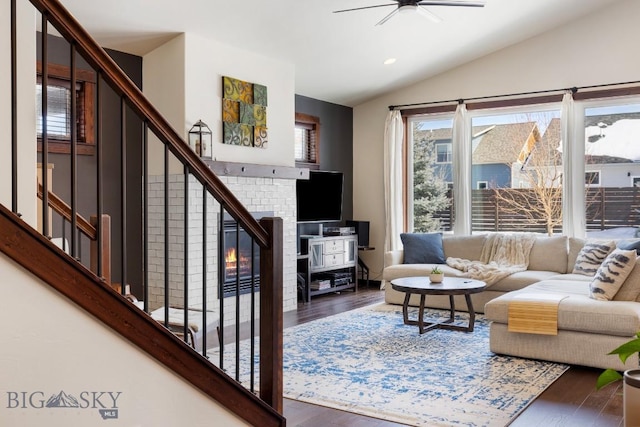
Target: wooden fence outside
{"x": 607, "y": 208}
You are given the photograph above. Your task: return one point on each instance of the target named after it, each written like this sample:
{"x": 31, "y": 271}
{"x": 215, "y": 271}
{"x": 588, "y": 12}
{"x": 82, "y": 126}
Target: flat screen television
{"x": 319, "y": 198}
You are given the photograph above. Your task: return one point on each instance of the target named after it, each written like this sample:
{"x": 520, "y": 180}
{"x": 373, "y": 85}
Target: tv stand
{"x": 330, "y": 263}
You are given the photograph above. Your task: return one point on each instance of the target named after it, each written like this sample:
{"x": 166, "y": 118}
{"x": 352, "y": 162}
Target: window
{"x": 307, "y": 140}
{"x": 429, "y": 173}
{"x": 592, "y": 178}
{"x": 516, "y": 152}
{"x": 59, "y": 95}
{"x": 443, "y": 152}
{"x": 612, "y": 165}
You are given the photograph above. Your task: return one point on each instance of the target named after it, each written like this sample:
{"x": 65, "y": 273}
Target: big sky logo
{"x": 106, "y": 402}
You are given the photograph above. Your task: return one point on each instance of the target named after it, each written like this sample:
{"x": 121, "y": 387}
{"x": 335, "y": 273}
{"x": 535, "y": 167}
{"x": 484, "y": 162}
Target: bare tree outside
{"x": 537, "y": 181}
{"x": 536, "y": 177}
{"x": 430, "y": 185}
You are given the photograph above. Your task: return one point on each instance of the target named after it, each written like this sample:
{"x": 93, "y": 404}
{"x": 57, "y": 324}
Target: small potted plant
{"x": 436, "y": 275}
{"x": 631, "y": 377}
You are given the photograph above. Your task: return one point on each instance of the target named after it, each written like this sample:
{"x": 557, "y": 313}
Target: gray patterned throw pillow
{"x": 591, "y": 256}
{"x": 612, "y": 273}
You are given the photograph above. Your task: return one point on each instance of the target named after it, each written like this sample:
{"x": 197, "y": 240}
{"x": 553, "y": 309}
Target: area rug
{"x": 367, "y": 361}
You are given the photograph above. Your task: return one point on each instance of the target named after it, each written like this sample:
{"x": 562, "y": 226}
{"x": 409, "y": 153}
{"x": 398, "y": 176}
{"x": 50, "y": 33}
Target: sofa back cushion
{"x": 575, "y": 246}
{"x": 549, "y": 254}
{"x": 630, "y": 289}
{"x": 465, "y": 247}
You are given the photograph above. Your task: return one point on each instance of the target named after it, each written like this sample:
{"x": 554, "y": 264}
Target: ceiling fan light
{"x": 408, "y": 8}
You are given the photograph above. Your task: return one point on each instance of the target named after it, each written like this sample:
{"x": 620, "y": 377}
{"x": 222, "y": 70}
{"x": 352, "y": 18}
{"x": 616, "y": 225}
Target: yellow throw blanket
{"x": 534, "y": 313}
{"x": 502, "y": 255}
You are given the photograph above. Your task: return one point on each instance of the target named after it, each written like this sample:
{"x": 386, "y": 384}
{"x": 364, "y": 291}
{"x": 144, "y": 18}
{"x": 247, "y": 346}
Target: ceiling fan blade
{"x": 428, "y": 14}
{"x": 389, "y": 16}
{"x": 451, "y": 3}
{"x": 365, "y": 7}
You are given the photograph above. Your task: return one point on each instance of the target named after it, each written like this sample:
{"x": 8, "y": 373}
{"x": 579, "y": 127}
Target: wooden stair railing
{"x": 89, "y": 229}
{"x": 267, "y": 233}
{"x": 37, "y": 254}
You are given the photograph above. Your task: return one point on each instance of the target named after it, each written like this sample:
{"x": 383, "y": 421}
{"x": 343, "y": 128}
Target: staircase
{"x": 101, "y": 264}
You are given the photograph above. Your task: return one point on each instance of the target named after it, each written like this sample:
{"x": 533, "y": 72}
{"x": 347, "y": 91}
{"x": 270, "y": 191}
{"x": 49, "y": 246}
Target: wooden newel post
{"x": 105, "y": 243}
{"x": 271, "y": 324}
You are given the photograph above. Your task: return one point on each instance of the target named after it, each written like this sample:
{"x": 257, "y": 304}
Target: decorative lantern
{"x": 200, "y": 139}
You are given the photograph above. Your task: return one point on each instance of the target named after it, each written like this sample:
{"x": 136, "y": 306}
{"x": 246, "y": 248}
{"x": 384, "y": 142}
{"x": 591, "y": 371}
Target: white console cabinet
{"x": 331, "y": 263}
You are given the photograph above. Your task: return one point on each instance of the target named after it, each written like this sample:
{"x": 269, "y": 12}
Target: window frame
{"x": 595, "y": 182}
{"x": 582, "y": 99}
{"x": 312, "y": 123}
{"x": 448, "y": 153}
{"x": 86, "y": 79}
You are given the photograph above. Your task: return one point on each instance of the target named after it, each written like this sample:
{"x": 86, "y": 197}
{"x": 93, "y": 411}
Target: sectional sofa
{"x": 587, "y": 328}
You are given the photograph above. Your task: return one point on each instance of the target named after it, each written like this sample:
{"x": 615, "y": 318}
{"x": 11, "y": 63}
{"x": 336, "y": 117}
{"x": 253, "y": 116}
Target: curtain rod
{"x": 538, "y": 92}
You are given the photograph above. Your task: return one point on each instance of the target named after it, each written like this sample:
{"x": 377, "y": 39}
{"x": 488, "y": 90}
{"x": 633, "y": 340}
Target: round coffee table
{"x": 449, "y": 286}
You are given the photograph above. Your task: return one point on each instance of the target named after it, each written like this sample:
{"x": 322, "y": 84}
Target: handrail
{"x": 64, "y": 210}
{"x": 69, "y": 27}
{"x": 267, "y": 233}
{"x": 36, "y": 253}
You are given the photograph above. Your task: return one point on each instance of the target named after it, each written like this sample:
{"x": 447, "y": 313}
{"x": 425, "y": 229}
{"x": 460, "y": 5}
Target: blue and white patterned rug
{"x": 368, "y": 362}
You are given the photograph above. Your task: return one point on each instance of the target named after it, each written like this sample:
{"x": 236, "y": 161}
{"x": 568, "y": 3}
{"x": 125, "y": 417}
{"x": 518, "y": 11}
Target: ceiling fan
{"x": 411, "y": 6}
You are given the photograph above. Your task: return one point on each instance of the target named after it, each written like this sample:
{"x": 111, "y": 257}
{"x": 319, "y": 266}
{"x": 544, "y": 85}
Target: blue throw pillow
{"x": 422, "y": 248}
{"x": 629, "y": 244}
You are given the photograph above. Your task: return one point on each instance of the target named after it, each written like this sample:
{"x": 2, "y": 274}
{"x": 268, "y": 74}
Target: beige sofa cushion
{"x": 465, "y": 247}
{"x": 575, "y": 246}
{"x": 412, "y": 270}
{"x": 519, "y": 280}
{"x": 549, "y": 254}
{"x": 630, "y": 289}
{"x": 577, "y": 312}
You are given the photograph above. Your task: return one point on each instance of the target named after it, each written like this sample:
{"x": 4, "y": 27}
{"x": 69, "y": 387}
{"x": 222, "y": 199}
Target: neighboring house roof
{"x": 445, "y": 134}
{"x": 505, "y": 144}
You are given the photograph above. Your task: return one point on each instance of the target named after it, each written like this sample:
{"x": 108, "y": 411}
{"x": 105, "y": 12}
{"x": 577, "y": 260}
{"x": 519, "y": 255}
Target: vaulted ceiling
{"x": 338, "y": 57}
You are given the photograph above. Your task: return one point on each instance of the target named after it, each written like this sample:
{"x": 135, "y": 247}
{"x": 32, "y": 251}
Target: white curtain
{"x": 394, "y": 208}
{"x": 461, "y": 147}
{"x": 573, "y": 169}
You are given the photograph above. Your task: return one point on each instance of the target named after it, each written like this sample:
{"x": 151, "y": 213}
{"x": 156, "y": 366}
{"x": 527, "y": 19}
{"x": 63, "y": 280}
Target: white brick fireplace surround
{"x": 277, "y": 195}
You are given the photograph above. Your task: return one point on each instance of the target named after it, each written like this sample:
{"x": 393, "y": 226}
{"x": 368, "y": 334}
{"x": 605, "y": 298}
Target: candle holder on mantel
{"x": 200, "y": 139}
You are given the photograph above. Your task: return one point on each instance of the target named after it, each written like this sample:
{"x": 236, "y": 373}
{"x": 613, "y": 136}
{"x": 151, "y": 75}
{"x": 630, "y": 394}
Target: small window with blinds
{"x": 59, "y": 117}
{"x": 307, "y": 139}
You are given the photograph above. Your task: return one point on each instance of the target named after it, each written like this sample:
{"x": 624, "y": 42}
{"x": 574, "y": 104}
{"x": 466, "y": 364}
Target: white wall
{"x": 183, "y": 79}
{"x": 207, "y": 61}
{"x": 26, "y": 110}
{"x": 58, "y": 347}
{"x": 163, "y": 76}
{"x": 597, "y": 49}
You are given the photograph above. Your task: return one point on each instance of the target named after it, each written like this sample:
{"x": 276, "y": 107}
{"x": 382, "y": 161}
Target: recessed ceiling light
{"x": 389, "y": 61}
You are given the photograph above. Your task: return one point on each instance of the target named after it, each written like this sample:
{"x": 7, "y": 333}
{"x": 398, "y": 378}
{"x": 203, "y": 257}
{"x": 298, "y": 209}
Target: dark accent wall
{"x": 336, "y": 146}
{"x": 59, "y": 53}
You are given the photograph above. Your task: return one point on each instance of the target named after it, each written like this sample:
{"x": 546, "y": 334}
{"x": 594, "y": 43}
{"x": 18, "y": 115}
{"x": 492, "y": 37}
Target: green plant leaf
{"x": 607, "y": 377}
{"x": 627, "y": 349}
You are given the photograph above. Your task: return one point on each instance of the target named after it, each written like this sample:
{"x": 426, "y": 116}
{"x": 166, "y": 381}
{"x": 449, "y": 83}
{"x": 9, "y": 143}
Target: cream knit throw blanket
{"x": 502, "y": 255}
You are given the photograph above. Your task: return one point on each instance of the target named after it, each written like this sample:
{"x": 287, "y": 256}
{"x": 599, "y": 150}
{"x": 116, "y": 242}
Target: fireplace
{"x": 240, "y": 258}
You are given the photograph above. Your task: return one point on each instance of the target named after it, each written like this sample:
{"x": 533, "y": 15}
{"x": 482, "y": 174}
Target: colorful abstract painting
{"x": 244, "y": 113}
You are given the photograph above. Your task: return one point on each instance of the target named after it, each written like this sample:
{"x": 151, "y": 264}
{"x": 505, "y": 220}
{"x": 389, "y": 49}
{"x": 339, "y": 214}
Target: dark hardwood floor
{"x": 570, "y": 401}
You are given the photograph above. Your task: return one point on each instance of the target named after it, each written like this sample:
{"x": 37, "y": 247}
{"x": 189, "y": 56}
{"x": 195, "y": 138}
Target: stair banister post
{"x": 271, "y": 323}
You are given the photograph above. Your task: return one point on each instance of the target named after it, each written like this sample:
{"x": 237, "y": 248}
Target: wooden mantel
{"x": 256, "y": 171}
